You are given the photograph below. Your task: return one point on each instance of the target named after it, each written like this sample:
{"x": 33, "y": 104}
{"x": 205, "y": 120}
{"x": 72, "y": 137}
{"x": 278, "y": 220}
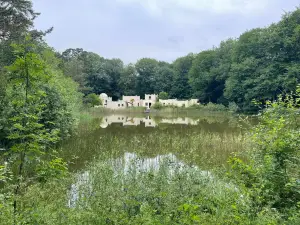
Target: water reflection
{"x": 142, "y": 164}
{"x": 147, "y": 121}
{"x": 127, "y": 165}
{"x": 204, "y": 141}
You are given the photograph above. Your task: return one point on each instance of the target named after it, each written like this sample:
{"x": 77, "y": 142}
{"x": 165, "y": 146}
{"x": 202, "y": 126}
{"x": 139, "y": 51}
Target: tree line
{"x": 30, "y": 74}
{"x": 39, "y": 105}
{"x": 260, "y": 64}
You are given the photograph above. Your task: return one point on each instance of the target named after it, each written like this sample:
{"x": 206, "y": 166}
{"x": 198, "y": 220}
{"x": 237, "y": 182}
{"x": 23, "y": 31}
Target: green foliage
{"x": 259, "y": 65}
{"x": 93, "y": 73}
{"x": 271, "y": 176}
{"x": 262, "y": 188}
{"x": 73, "y": 67}
{"x": 262, "y": 66}
{"x": 26, "y": 75}
{"x": 3, "y": 104}
{"x": 209, "y": 72}
{"x": 211, "y": 107}
{"x": 164, "y": 78}
{"x": 16, "y": 18}
{"x": 215, "y": 107}
{"x": 233, "y": 107}
{"x": 128, "y": 79}
{"x": 92, "y": 100}
{"x": 39, "y": 106}
{"x": 172, "y": 194}
{"x": 157, "y": 105}
{"x": 62, "y": 98}
{"x": 181, "y": 88}
{"x": 146, "y": 69}
{"x": 163, "y": 95}
{"x": 40, "y": 111}
{"x": 55, "y": 168}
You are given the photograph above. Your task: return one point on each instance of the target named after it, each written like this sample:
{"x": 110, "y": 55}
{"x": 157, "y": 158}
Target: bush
{"x": 171, "y": 194}
{"x": 163, "y": 95}
{"x": 157, "y": 105}
{"x": 215, "y": 107}
{"x": 233, "y": 107}
{"x": 210, "y": 107}
{"x": 271, "y": 174}
{"x": 92, "y": 100}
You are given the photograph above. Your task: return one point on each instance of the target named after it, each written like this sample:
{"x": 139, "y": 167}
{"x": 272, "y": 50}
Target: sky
{"x": 160, "y": 29}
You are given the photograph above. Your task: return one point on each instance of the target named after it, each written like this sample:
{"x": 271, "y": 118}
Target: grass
{"x": 205, "y": 145}
{"x": 196, "y": 110}
{"x": 170, "y": 176}
{"x": 131, "y": 178}
{"x": 107, "y": 195}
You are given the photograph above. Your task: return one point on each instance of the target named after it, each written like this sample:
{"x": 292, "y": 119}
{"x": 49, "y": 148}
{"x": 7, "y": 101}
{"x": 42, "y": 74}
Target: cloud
{"x": 162, "y": 29}
{"x": 162, "y": 7}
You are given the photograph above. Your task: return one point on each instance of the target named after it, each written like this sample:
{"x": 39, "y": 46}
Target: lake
{"x": 204, "y": 141}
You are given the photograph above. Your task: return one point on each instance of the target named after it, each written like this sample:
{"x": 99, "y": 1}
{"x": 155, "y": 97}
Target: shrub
{"x": 271, "y": 174}
{"x": 215, "y": 107}
{"x": 91, "y": 100}
{"x": 157, "y": 105}
{"x": 163, "y": 95}
{"x": 233, "y": 107}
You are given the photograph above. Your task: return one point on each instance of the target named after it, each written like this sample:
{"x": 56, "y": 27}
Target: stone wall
{"x": 133, "y": 101}
{"x": 116, "y": 104}
{"x": 178, "y": 103}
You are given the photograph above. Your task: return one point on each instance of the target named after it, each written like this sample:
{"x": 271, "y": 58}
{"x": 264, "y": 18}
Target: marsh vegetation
{"x": 61, "y": 163}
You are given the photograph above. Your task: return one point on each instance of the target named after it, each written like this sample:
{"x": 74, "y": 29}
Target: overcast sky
{"x": 160, "y": 29}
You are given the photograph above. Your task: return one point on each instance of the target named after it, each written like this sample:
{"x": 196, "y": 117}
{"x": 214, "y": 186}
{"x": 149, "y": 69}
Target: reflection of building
{"x": 127, "y": 121}
{"x": 148, "y": 121}
{"x": 136, "y": 101}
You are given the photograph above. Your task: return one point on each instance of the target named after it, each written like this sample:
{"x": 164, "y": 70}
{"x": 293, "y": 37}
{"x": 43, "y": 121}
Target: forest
{"x": 41, "y": 104}
{"x": 260, "y": 64}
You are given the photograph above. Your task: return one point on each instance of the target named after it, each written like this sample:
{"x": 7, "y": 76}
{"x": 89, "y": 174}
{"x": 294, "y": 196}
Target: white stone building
{"x": 148, "y": 102}
{"x": 133, "y": 101}
{"x": 178, "y": 103}
{"x": 128, "y": 101}
{"x": 109, "y": 103}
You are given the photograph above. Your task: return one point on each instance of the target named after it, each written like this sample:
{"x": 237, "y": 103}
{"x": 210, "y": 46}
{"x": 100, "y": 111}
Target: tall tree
{"x": 73, "y": 65}
{"x": 113, "y": 69}
{"x": 181, "y": 88}
{"x": 128, "y": 79}
{"x": 262, "y": 65}
{"x": 28, "y": 134}
{"x": 16, "y": 16}
{"x": 146, "y": 69}
{"x": 209, "y": 72}
{"x": 163, "y": 78}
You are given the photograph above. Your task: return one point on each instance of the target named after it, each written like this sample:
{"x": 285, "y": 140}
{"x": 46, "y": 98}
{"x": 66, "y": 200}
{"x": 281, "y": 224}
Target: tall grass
{"x": 172, "y": 194}
{"x": 197, "y": 110}
{"x": 198, "y": 145}
{"x": 107, "y": 188}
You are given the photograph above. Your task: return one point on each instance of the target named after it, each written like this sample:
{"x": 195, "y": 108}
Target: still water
{"x": 202, "y": 141}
